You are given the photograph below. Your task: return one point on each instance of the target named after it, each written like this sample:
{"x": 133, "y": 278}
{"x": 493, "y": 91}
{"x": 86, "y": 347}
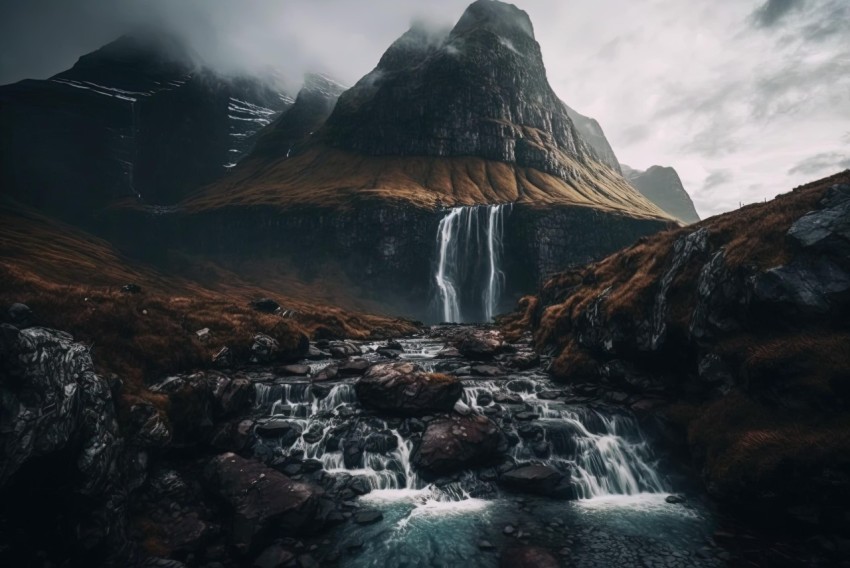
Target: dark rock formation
{"x": 663, "y": 187}
{"x": 590, "y": 130}
{"x": 458, "y": 442}
{"x": 261, "y": 497}
{"x": 135, "y": 119}
{"x": 405, "y": 388}
{"x": 479, "y": 344}
{"x": 538, "y": 479}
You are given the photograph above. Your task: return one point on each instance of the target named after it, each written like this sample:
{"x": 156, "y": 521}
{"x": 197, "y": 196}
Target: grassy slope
{"x": 72, "y": 282}
{"x": 328, "y": 177}
{"x": 744, "y": 440}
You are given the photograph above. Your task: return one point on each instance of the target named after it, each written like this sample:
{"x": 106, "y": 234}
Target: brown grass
{"x": 72, "y": 282}
{"x": 331, "y": 177}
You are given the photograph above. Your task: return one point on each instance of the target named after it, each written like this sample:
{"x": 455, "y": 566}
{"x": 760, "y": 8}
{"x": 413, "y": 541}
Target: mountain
{"x": 449, "y": 117}
{"x": 663, "y": 187}
{"x": 137, "y": 119}
{"x": 591, "y": 131}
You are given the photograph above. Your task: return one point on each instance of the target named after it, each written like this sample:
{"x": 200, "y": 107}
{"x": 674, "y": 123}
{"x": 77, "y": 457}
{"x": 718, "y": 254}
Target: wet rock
{"x": 530, "y": 431}
{"x": 315, "y": 354}
{"x": 261, "y": 499}
{"x": 223, "y": 358}
{"x": 203, "y": 335}
{"x": 486, "y": 371}
{"x": 523, "y": 361}
{"x": 486, "y": 545}
{"x": 394, "y": 345}
{"x": 448, "y": 353}
{"x": 232, "y": 396}
{"x": 314, "y": 433}
{"x": 528, "y": 557}
{"x": 381, "y": 442}
{"x": 526, "y": 415}
{"x": 484, "y": 399}
{"x": 275, "y": 556}
{"x": 21, "y": 316}
{"x": 264, "y": 349}
{"x": 265, "y": 305}
{"x": 507, "y": 398}
{"x": 404, "y": 388}
{"x": 343, "y": 349}
{"x": 286, "y": 431}
{"x": 826, "y": 230}
{"x": 352, "y": 453}
{"x": 368, "y": 517}
{"x": 509, "y": 530}
{"x": 479, "y": 344}
{"x": 353, "y": 367}
{"x": 329, "y": 373}
{"x": 147, "y": 426}
{"x": 804, "y": 287}
{"x": 457, "y": 442}
{"x": 131, "y": 289}
{"x": 293, "y": 370}
{"x": 389, "y": 353}
{"x": 675, "y": 499}
{"x": 232, "y": 436}
{"x": 539, "y": 480}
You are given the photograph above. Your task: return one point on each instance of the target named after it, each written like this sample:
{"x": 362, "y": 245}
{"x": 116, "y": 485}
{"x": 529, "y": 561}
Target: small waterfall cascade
{"x": 602, "y": 448}
{"x": 469, "y": 276}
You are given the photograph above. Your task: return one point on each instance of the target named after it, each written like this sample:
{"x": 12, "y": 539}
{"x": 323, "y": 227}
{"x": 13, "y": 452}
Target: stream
{"x": 616, "y": 515}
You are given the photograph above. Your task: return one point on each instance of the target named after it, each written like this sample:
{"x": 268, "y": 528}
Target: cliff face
{"x": 732, "y": 334}
{"x": 592, "y": 133}
{"x": 136, "y": 119}
{"x": 663, "y": 187}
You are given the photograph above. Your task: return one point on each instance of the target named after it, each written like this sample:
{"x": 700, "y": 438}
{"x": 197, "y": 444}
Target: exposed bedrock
{"x": 387, "y": 251}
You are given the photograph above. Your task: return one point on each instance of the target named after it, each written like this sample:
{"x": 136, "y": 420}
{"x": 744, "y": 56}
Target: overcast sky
{"x": 745, "y": 98}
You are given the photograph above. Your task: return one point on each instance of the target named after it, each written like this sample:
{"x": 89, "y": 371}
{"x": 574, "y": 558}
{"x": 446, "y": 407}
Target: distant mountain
{"x": 459, "y": 116}
{"x": 663, "y": 187}
{"x": 135, "y": 119}
{"x": 592, "y": 133}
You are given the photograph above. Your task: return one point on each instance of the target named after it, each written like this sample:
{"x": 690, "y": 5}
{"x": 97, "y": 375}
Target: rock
{"x": 462, "y": 408}
{"x": 389, "y": 353}
{"x": 343, "y": 349}
{"x": 293, "y": 370}
{"x": 131, "y": 289}
{"x": 675, "y": 499}
{"x": 353, "y": 367}
{"x": 191, "y": 408}
{"x": 804, "y": 287}
{"x": 528, "y": 557}
{"x": 484, "y": 399}
{"x": 315, "y": 354}
{"x": 457, "y": 442}
{"x": 486, "y": 545}
{"x": 262, "y": 500}
{"x": 275, "y": 556}
{"x": 21, "y": 316}
{"x": 486, "y": 371}
{"x": 507, "y": 398}
{"x": 285, "y": 430}
{"x": 479, "y": 344}
{"x": 827, "y": 230}
{"x": 265, "y": 305}
{"x": 232, "y": 436}
{"x": 381, "y": 442}
{"x": 394, "y": 345}
{"x": 526, "y": 415}
{"x": 264, "y": 349}
{"x": 448, "y": 353}
{"x": 352, "y": 453}
{"x": 203, "y": 335}
{"x": 329, "y": 373}
{"x": 404, "y": 388}
{"x": 509, "y": 530}
{"x": 530, "y": 431}
{"x": 232, "y": 396}
{"x": 147, "y": 427}
{"x": 223, "y": 358}
{"x": 368, "y": 517}
{"x": 523, "y": 361}
{"x": 539, "y": 480}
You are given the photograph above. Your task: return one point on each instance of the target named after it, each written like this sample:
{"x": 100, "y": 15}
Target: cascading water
{"x": 469, "y": 276}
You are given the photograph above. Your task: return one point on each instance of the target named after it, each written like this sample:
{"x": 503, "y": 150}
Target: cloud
{"x": 773, "y": 11}
{"x": 716, "y": 178}
{"x": 826, "y": 162}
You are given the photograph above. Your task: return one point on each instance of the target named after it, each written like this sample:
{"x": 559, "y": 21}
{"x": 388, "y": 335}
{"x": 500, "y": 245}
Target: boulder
{"x": 264, "y": 349}
{"x": 539, "y": 480}
{"x": 343, "y": 349}
{"x": 479, "y": 344}
{"x": 263, "y": 501}
{"x": 404, "y": 388}
{"x": 523, "y": 361}
{"x": 353, "y": 367}
{"x": 21, "y": 316}
{"x": 147, "y": 427}
{"x": 448, "y": 353}
{"x": 807, "y": 287}
{"x": 232, "y": 436}
{"x": 458, "y": 442}
{"x": 528, "y": 557}
{"x": 203, "y": 335}
{"x": 286, "y": 431}
{"x": 827, "y": 230}
{"x": 293, "y": 370}
{"x": 486, "y": 371}
{"x": 265, "y": 305}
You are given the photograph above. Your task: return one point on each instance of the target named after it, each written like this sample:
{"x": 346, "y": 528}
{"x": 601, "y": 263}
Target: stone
{"x": 293, "y": 370}
{"x": 203, "y": 335}
{"x": 484, "y": 399}
{"x": 147, "y": 426}
{"x": 343, "y": 349}
{"x": 538, "y": 479}
{"x": 131, "y": 289}
{"x": 507, "y": 398}
{"x": 528, "y": 557}
{"x": 826, "y": 230}
{"x": 462, "y": 408}
{"x": 264, "y": 349}
{"x": 275, "y": 556}
{"x": 223, "y": 358}
{"x": 457, "y": 442}
{"x": 479, "y": 344}
{"x": 486, "y": 371}
{"x": 804, "y": 287}
{"x": 404, "y": 388}
{"x": 675, "y": 499}
{"x": 20, "y": 315}
{"x": 368, "y": 517}
{"x": 523, "y": 361}
{"x": 260, "y": 499}
{"x": 265, "y": 305}
{"x": 486, "y": 545}
{"x": 286, "y": 431}
{"x": 353, "y": 367}
{"x": 448, "y": 353}
{"x": 232, "y": 436}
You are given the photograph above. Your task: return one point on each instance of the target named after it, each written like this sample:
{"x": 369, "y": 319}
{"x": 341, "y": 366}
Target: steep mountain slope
{"x": 137, "y": 118}
{"x": 663, "y": 187}
{"x": 591, "y": 131}
{"x": 458, "y": 117}
{"x": 733, "y": 334}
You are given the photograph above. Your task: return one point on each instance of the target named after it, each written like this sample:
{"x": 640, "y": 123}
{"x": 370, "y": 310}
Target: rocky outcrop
{"x": 738, "y": 320}
{"x": 455, "y": 442}
{"x": 592, "y": 133}
{"x": 538, "y": 479}
{"x": 261, "y": 498}
{"x": 663, "y": 187}
{"x": 404, "y": 388}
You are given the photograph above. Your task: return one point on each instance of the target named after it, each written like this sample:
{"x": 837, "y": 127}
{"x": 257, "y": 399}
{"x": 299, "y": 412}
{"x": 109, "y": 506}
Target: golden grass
{"x": 329, "y": 177}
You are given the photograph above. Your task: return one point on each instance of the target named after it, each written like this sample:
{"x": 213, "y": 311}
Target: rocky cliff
{"x": 138, "y": 119}
{"x": 663, "y": 187}
{"x": 592, "y": 132}
{"x": 733, "y": 334}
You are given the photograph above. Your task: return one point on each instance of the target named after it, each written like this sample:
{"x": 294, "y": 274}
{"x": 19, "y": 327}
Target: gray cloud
{"x": 716, "y": 178}
{"x": 773, "y": 11}
{"x": 826, "y": 162}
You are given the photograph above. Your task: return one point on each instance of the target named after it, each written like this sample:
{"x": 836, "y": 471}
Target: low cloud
{"x": 772, "y": 12}
{"x": 827, "y": 162}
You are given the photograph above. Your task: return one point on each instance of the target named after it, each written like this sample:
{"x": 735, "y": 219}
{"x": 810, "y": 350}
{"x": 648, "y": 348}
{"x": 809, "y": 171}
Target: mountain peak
{"x": 505, "y": 20}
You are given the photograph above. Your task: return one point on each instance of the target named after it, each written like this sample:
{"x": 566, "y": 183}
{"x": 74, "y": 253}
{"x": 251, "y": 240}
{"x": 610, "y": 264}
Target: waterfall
{"x": 469, "y": 276}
